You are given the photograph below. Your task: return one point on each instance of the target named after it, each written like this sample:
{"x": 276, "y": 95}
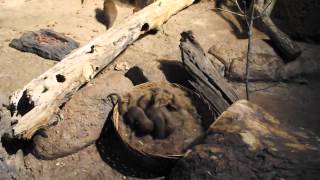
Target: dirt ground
{"x": 157, "y": 55}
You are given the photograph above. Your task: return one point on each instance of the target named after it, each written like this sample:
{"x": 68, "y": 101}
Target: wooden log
{"x": 34, "y": 105}
{"x": 288, "y": 49}
{"x": 207, "y": 80}
{"x": 245, "y": 142}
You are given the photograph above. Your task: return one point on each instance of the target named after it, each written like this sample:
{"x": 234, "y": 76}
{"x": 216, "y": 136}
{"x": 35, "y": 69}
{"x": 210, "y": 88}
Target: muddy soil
{"x": 157, "y": 55}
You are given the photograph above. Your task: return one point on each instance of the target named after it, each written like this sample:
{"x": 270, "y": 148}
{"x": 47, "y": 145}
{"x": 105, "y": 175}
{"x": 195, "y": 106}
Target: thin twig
{"x": 249, "y": 21}
{"x": 221, "y": 9}
{"x": 238, "y": 6}
{"x": 245, "y": 12}
{"x": 265, "y": 88}
{"x": 249, "y": 47}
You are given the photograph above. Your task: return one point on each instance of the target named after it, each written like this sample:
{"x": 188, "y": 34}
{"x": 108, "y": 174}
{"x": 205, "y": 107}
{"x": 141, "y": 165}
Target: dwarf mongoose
{"x": 138, "y": 121}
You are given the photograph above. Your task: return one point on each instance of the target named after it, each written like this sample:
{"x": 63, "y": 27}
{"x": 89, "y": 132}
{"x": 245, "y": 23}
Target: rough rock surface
{"x": 83, "y": 118}
{"x": 11, "y": 166}
{"x": 265, "y": 65}
{"x": 85, "y": 164}
{"x": 45, "y": 43}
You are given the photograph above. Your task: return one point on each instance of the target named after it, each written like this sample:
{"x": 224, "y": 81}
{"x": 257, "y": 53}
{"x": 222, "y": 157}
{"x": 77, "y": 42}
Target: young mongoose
{"x": 139, "y": 4}
{"x": 156, "y": 117}
{"x": 110, "y": 12}
{"x": 134, "y": 116}
{"x": 138, "y": 121}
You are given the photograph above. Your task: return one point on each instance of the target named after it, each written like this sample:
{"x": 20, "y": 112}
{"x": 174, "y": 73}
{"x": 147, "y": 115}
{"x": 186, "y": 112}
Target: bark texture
{"x": 206, "y": 78}
{"x": 246, "y": 142}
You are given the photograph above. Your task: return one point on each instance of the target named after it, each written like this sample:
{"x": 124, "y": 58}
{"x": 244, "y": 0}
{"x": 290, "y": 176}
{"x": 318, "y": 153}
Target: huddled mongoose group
{"x": 149, "y": 114}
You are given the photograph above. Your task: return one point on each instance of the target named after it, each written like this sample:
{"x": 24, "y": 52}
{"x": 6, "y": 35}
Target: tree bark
{"x": 206, "y": 79}
{"x": 34, "y": 105}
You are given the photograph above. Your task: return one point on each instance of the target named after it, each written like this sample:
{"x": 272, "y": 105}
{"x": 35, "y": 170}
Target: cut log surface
{"x": 39, "y": 100}
{"x": 207, "y": 80}
{"x": 245, "y": 142}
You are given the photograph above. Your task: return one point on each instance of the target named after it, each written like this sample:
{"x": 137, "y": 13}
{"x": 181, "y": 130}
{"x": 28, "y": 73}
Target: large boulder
{"x": 83, "y": 118}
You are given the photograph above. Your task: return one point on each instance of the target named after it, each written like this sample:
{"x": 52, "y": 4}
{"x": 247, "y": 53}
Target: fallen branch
{"x": 207, "y": 80}
{"x": 34, "y": 105}
{"x": 288, "y": 49}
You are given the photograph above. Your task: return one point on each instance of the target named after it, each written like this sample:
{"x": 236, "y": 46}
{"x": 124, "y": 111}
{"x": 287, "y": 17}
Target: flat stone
{"x": 265, "y": 65}
{"x": 45, "y": 43}
{"x": 262, "y": 67}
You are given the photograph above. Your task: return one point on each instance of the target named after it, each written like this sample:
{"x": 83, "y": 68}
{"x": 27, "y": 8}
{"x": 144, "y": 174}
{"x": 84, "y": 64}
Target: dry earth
{"x": 157, "y": 55}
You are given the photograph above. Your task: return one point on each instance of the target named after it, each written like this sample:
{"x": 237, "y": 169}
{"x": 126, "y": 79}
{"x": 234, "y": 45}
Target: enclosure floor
{"x": 292, "y": 103}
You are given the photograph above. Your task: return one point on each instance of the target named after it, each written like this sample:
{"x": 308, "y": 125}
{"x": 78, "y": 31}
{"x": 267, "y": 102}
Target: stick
{"x": 249, "y": 47}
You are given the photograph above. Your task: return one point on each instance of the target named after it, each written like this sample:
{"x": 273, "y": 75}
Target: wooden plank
{"x": 34, "y": 105}
{"x": 207, "y": 81}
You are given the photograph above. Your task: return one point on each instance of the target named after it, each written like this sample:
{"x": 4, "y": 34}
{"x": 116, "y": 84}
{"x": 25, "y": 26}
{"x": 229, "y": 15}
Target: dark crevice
{"x": 82, "y": 86}
{"x": 175, "y": 72}
{"x": 60, "y": 78}
{"x": 145, "y": 27}
{"x": 25, "y": 104}
{"x": 13, "y": 145}
{"x": 126, "y": 160}
{"x": 62, "y": 105}
{"x": 45, "y": 89}
{"x": 136, "y": 76}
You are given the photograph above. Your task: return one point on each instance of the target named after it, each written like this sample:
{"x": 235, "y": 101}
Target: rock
{"x": 217, "y": 64}
{"x": 45, "y": 43}
{"x": 265, "y": 64}
{"x": 226, "y": 51}
{"x": 9, "y": 165}
{"x": 262, "y": 67}
{"x": 122, "y": 66}
{"x": 84, "y": 117}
